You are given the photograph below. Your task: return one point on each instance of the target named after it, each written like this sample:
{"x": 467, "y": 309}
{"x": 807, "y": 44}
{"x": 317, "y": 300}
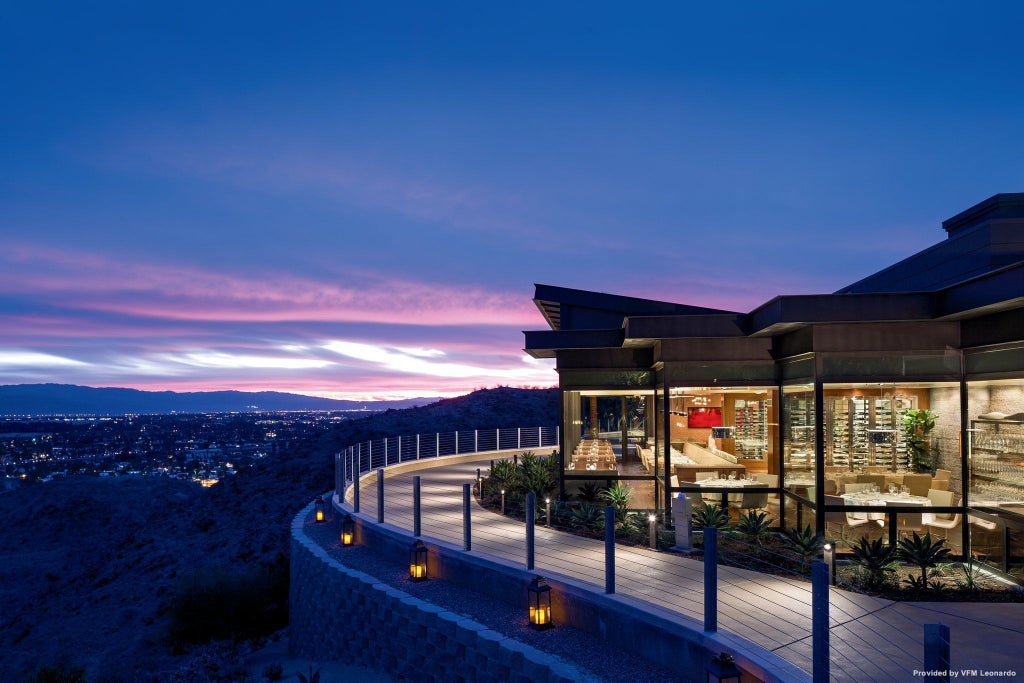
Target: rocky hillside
{"x": 91, "y": 565}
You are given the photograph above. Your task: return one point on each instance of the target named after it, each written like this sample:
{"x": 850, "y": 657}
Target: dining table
{"x": 884, "y": 498}
{"x": 720, "y": 483}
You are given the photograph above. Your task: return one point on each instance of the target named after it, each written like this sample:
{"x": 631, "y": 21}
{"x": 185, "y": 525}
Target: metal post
{"x": 355, "y": 491}
{"x": 339, "y": 477}
{"x": 437, "y": 444}
{"x": 456, "y": 442}
{"x": 547, "y": 512}
{"x": 653, "y": 520}
{"x": 503, "y": 502}
{"x": 531, "y": 504}
{"x": 380, "y": 496}
{"x": 417, "y": 446}
{"x": 369, "y": 454}
{"x": 936, "y": 650}
{"x": 540, "y": 437}
{"x": 819, "y": 622}
{"x": 476, "y": 440}
{"x": 519, "y": 437}
{"x": 829, "y": 553}
{"x": 609, "y": 549}
{"x": 710, "y": 579}
{"x": 416, "y": 505}
{"x": 385, "y": 451}
{"x": 467, "y": 544}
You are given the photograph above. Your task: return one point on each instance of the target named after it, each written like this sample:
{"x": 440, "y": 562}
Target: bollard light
{"x": 547, "y": 511}
{"x": 539, "y": 595}
{"x": 723, "y": 668}
{"x": 503, "y": 501}
{"x": 319, "y": 507}
{"x": 653, "y": 521}
{"x": 348, "y": 531}
{"x": 829, "y": 550}
{"x": 418, "y": 561}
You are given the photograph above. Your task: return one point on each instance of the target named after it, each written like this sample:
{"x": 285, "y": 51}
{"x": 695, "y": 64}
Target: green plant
{"x": 503, "y": 477}
{"x": 273, "y": 672}
{"x": 314, "y": 676}
{"x": 618, "y": 494}
{"x": 875, "y": 558}
{"x": 754, "y": 524}
{"x": 535, "y": 475}
{"x": 588, "y": 492}
{"x": 709, "y": 515}
{"x": 805, "y": 541}
{"x": 923, "y": 553}
{"x": 971, "y": 579}
{"x": 587, "y": 516}
{"x": 917, "y": 425}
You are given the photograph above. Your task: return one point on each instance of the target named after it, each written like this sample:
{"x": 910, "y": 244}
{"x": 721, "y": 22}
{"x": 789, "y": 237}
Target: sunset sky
{"x": 355, "y": 199}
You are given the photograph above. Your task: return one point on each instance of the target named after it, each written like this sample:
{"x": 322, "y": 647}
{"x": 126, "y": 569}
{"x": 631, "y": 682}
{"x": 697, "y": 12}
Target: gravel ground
{"x": 601, "y": 660}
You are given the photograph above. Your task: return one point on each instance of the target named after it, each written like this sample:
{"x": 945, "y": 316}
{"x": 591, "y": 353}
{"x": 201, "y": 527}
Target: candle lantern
{"x": 539, "y": 596}
{"x": 723, "y": 668}
{"x": 348, "y": 531}
{"x": 418, "y": 561}
{"x": 319, "y": 504}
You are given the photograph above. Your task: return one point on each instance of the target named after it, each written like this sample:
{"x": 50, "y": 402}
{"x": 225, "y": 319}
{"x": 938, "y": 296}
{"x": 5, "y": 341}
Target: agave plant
{"x": 588, "y": 492}
{"x": 923, "y": 553}
{"x": 709, "y": 515}
{"x": 503, "y": 477}
{"x": 619, "y": 495}
{"x": 805, "y": 541}
{"x": 754, "y": 524}
{"x": 875, "y": 558}
{"x": 587, "y": 516}
{"x": 535, "y": 476}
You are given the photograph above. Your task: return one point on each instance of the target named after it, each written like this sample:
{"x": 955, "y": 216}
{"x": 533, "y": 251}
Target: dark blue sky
{"x": 357, "y": 199}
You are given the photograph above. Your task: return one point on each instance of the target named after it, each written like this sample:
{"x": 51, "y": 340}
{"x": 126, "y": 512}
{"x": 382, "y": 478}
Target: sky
{"x": 355, "y": 199}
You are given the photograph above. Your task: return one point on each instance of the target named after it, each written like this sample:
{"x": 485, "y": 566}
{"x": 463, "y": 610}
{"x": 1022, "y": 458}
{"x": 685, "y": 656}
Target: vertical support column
{"x": 965, "y": 444}
{"x": 339, "y": 477}
{"x": 456, "y": 442}
{"x": 416, "y": 505}
{"x": 820, "y": 672}
{"x": 467, "y": 495}
{"x": 437, "y": 444}
{"x": 531, "y": 507}
{"x": 710, "y": 579}
{"x": 417, "y": 446}
{"x": 819, "y": 456}
{"x": 519, "y": 437}
{"x": 385, "y": 451}
{"x": 380, "y": 496}
{"x": 355, "y": 491}
{"x": 609, "y": 549}
{"x": 936, "y": 650}
{"x": 476, "y": 440}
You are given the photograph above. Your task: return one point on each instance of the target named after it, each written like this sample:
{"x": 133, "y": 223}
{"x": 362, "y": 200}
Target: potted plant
{"x": 917, "y": 425}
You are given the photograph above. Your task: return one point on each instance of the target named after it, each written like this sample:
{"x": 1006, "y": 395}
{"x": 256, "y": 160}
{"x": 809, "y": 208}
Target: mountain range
{"x": 71, "y": 399}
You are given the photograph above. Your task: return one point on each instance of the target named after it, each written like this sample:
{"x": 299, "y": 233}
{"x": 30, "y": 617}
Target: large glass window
{"x": 996, "y": 438}
{"x": 798, "y": 437}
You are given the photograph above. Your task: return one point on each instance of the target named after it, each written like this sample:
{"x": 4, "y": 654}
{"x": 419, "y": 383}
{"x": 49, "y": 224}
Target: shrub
{"x": 754, "y": 524}
{"x": 710, "y": 515}
{"x": 923, "y": 553}
{"x": 876, "y": 559}
{"x": 805, "y": 541}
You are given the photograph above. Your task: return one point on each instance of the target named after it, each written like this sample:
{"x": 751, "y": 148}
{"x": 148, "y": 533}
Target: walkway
{"x": 872, "y": 639}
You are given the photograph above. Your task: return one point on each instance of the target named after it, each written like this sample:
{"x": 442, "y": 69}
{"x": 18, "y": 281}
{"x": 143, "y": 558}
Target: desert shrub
{"x": 219, "y": 604}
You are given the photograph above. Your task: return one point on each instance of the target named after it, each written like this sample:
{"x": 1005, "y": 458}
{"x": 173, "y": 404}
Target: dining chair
{"x": 943, "y": 474}
{"x": 907, "y": 521}
{"x": 772, "y": 504}
{"x": 943, "y": 520}
{"x": 840, "y": 517}
{"x": 917, "y": 484}
{"x": 875, "y": 479}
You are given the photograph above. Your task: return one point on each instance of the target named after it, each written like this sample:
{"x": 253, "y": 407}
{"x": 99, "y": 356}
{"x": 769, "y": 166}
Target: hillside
{"x": 91, "y": 565}
{"x": 71, "y": 399}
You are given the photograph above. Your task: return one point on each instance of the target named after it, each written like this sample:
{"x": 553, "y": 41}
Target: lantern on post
{"x": 539, "y": 595}
{"x": 321, "y": 514}
{"x": 418, "y": 561}
{"x": 348, "y": 531}
{"x": 723, "y": 668}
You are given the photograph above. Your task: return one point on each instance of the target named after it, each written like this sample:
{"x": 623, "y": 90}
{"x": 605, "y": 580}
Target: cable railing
{"x": 367, "y": 456}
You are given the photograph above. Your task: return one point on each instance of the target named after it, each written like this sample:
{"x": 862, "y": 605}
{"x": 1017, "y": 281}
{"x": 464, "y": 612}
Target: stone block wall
{"x": 340, "y": 614}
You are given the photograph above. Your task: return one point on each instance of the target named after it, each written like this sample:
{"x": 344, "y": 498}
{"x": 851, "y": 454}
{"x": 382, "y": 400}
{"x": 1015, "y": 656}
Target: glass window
{"x": 996, "y": 439}
{"x": 798, "y": 437}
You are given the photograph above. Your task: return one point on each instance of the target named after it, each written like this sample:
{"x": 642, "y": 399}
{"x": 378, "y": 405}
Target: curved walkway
{"x": 871, "y": 639}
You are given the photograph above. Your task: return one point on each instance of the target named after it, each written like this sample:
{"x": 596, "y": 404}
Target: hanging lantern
{"x": 723, "y": 668}
{"x": 418, "y": 561}
{"x": 539, "y": 595}
{"x": 348, "y": 531}
{"x": 321, "y": 514}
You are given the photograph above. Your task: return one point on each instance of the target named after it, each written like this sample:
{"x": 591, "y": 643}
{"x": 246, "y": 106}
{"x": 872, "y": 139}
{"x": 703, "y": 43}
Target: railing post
{"x": 819, "y": 622}
{"x": 339, "y": 477}
{"x": 531, "y": 506}
{"x": 456, "y": 442}
{"x": 558, "y": 435}
{"x": 355, "y": 491}
{"x": 385, "y": 451}
{"x": 417, "y": 446}
{"x": 369, "y": 454}
{"x": 416, "y": 505}
{"x": 437, "y": 444}
{"x": 467, "y": 543}
{"x": 609, "y": 549}
{"x": 380, "y": 496}
{"x": 936, "y": 650}
{"x": 710, "y": 579}
{"x": 519, "y": 438}
{"x": 476, "y": 440}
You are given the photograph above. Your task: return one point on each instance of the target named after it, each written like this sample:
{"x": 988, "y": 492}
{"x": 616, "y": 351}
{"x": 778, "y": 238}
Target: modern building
{"x": 895, "y": 404}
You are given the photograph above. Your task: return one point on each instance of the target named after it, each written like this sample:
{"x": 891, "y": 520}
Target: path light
{"x": 503, "y": 501}
{"x": 348, "y": 531}
{"x": 320, "y": 513}
{"x": 652, "y": 519}
{"x": 723, "y": 668}
{"x": 547, "y": 511}
{"x": 418, "y": 561}
{"x": 539, "y": 596}
{"x": 830, "y": 559}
